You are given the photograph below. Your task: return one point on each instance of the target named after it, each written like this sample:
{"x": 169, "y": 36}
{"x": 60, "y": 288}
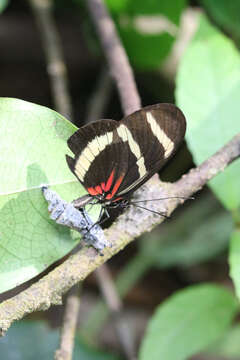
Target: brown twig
{"x": 198, "y": 177}
{"x": 115, "y": 306}
{"x": 49, "y": 289}
{"x": 119, "y": 66}
{"x": 56, "y": 67}
{"x": 71, "y": 311}
{"x": 59, "y": 85}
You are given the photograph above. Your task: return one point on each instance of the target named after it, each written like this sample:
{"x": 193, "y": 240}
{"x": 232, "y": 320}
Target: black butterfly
{"x": 114, "y": 158}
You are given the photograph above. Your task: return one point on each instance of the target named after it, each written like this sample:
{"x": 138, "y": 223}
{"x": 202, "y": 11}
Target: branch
{"x": 131, "y": 224}
{"x": 69, "y": 325}
{"x": 56, "y": 68}
{"x": 120, "y": 68}
{"x": 198, "y": 177}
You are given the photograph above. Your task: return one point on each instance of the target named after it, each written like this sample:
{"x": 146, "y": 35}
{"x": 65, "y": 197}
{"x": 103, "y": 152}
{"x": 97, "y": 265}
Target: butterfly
{"x": 112, "y": 158}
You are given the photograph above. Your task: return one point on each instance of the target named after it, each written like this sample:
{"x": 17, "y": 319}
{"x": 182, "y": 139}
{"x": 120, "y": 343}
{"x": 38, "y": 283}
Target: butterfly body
{"x": 114, "y": 158}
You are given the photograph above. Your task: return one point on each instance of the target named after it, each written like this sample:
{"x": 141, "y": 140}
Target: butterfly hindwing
{"x": 158, "y": 130}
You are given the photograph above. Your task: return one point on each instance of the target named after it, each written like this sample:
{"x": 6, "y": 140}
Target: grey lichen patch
{"x": 78, "y": 219}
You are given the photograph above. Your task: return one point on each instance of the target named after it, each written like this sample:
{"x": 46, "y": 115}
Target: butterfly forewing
{"x": 114, "y": 158}
{"x": 158, "y": 129}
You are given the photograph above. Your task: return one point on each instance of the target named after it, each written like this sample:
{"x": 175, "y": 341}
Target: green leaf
{"x": 228, "y": 346}
{"x": 137, "y": 44}
{"x": 234, "y": 260}
{"x": 198, "y": 234}
{"x": 208, "y": 91}
{"x": 32, "y": 150}
{"x": 156, "y": 7}
{"x": 3, "y": 5}
{"x": 225, "y": 13}
{"x": 147, "y": 29}
{"x": 188, "y": 322}
{"x": 206, "y": 241}
{"x": 18, "y": 344}
{"x": 150, "y": 7}
{"x": 117, "y": 6}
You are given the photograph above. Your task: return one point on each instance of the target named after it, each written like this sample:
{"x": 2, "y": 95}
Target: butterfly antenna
{"x": 166, "y": 198}
{"x": 152, "y": 211}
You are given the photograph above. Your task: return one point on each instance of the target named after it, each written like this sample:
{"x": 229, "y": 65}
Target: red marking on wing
{"x": 119, "y": 198}
{"x": 109, "y": 181}
{"x": 92, "y": 191}
{"x": 103, "y": 186}
{"x": 98, "y": 189}
{"x": 115, "y": 188}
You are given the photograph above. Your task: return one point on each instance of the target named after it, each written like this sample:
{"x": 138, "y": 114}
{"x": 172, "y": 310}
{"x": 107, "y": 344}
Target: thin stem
{"x": 56, "y": 67}
{"x": 68, "y": 330}
{"x": 125, "y": 281}
{"x": 115, "y": 306}
{"x": 59, "y": 86}
{"x": 119, "y": 66}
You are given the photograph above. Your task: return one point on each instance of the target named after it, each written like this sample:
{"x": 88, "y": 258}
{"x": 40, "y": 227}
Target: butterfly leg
{"x": 104, "y": 212}
{"x": 100, "y": 222}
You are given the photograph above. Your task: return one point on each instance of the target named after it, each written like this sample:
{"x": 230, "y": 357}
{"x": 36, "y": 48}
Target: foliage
{"x": 187, "y": 322}
{"x": 225, "y": 13}
{"x": 32, "y": 147}
{"x": 147, "y": 29}
{"x": 208, "y": 98}
{"x": 234, "y": 259}
{"x": 199, "y": 234}
{"x": 228, "y": 345}
{"x": 3, "y": 5}
{"x": 213, "y": 111}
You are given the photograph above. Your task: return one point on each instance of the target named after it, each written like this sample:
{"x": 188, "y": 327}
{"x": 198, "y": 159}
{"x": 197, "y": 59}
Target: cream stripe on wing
{"x": 90, "y": 152}
{"x": 126, "y": 135}
{"x": 141, "y": 167}
{"x": 132, "y": 186}
{"x": 80, "y": 172}
{"x": 162, "y": 137}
